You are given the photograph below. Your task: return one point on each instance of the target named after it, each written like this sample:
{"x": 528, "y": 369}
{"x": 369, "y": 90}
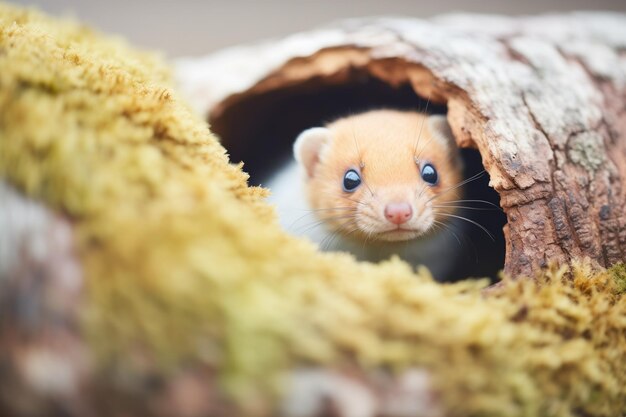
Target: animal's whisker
{"x": 456, "y": 186}
{"x": 308, "y": 227}
{"x": 445, "y": 227}
{"x": 345, "y": 197}
{"x": 450, "y": 228}
{"x": 368, "y": 187}
{"x": 349, "y": 232}
{"x": 326, "y": 243}
{"x": 424, "y": 186}
{"x": 370, "y": 216}
{"x": 356, "y": 143}
{"x": 483, "y": 228}
{"x": 333, "y": 233}
{"x": 467, "y": 207}
{"x": 489, "y": 203}
{"x": 341, "y": 211}
{"x": 329, "y": 209}
{"x": 419, "y": 135}
{"x": 417, "y": 157}
{"x": 367, "y": 237}
{"x": 354, "y": 201}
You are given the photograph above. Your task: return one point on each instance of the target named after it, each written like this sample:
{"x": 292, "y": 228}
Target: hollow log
{"x": 141, "y": 275}
{"x": 541, "y": 98}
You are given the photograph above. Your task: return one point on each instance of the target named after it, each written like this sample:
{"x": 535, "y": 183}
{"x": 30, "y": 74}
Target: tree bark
{"x": 541, "y": 98}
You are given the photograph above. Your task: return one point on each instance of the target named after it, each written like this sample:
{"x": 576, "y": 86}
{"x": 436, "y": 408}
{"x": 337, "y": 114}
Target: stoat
{"x": 379, "y": 183}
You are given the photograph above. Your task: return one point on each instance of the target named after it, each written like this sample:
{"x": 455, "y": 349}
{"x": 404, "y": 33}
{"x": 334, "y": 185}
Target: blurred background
{"x": 195, "y": 27}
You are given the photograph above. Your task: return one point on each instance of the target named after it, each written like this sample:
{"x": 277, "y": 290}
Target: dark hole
{"x": 260, "y": 132}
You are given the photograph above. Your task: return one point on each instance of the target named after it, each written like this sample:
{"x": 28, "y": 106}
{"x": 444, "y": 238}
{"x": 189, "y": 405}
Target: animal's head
{"x": 382, "y": 175}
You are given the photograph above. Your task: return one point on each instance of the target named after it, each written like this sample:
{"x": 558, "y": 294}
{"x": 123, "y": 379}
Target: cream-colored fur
{"x": 388, "y": 148}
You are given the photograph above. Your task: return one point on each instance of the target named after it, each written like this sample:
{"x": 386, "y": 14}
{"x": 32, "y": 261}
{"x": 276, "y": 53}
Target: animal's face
{"x": 382, "y": 175}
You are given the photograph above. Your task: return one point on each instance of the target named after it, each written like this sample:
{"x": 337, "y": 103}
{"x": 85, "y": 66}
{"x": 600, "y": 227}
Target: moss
{"x": 187, "y": 263}
{"x": 585, "y": 149}
{"x": 619, "y": 274}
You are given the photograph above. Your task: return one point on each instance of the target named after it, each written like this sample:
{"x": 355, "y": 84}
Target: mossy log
{"x": 141, "y": 275}
{"x": 541, "y": 98}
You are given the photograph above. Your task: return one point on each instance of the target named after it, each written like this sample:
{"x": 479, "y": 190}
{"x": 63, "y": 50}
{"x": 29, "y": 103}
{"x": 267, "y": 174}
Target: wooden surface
{"x": 541, "y": 98}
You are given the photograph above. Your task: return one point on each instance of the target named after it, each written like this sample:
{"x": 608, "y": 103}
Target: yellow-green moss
{"x": 185, "y": 261}
{"x": 619, "y": 274}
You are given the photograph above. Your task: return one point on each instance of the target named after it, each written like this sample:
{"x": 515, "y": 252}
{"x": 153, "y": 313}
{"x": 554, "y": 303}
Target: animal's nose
{"x": 398, "y": 213}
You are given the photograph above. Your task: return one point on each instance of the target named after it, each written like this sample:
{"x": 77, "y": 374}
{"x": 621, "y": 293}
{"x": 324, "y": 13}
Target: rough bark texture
{"x": 541, "y": 98}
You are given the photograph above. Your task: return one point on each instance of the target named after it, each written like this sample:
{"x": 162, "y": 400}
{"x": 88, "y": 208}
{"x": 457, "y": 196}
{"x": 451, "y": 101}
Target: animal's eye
{"x": 351, "y": 180}
{"x": 429, "y": 174}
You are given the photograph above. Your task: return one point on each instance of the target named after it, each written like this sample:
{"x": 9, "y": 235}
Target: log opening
{"x": 541, "y": 98}
{"x": 275, "y": 117}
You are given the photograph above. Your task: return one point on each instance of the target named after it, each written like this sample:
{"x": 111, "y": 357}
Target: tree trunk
{"x": 541, "y": 98}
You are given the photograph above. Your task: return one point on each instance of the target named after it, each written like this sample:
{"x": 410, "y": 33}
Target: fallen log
{"x": 141, "y": 275}
{"x": 541, "y": 98}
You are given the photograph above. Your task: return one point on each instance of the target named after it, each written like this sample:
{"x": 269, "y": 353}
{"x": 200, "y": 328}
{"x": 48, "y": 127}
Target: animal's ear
{"x": 308, "y": 147}
{"x": 440, "y": 129}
